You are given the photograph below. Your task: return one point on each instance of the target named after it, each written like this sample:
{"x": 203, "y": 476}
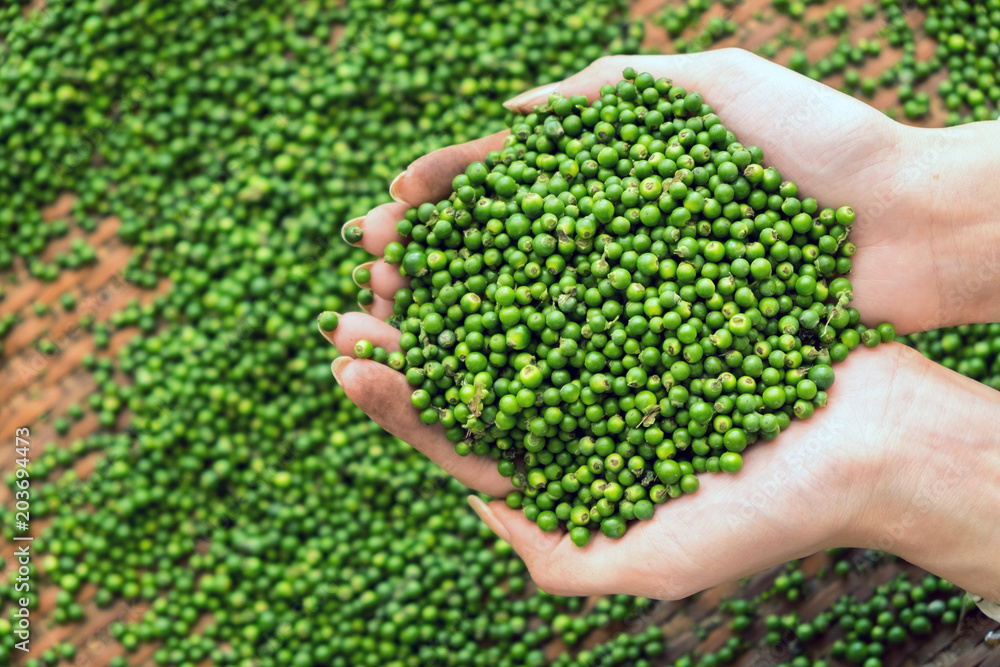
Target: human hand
{"x": 839, "y": 146}
{"x": 902, "y": 459}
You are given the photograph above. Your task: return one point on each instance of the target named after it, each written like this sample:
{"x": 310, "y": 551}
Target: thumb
{"x": 384, "y": 395}
{"x": 534, "y": 97}
{"x": 585, "y": 82}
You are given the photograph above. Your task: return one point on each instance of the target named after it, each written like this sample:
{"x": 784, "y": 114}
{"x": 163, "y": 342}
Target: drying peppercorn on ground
{"x": 174, "y": 178}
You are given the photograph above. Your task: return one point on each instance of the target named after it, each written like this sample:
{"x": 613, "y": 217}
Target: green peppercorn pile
{"x": 623, "y": 297}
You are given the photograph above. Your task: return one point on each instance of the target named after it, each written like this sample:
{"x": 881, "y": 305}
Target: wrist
{"x": 953, "y": 174}
{"x": 939, "y": 492}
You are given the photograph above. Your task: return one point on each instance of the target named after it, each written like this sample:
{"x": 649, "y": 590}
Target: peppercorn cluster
{"x": 621, "y": 298}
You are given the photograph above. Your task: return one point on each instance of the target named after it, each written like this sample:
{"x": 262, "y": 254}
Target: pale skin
{"x": 906, "y": 456}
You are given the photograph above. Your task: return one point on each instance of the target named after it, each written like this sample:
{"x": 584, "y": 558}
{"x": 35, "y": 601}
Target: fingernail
{"x": 489, "y": 518}
{"x": 531, "y": 97}
{"x": 353, "y": 231}
{"x": 394, "y": 187}
{"x": 362, "y": 274}
{"x": 338, "y": 366}
{"x": 328, "y": 321}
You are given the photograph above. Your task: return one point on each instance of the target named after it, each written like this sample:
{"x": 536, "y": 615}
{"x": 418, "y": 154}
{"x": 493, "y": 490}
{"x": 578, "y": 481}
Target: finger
{"x": 385, "y": 396}
{"x": 386, "y": 280}
{"x": 763, "y": 104}
{"x": 378, "y": 227}
{"x": 429, "y": 178}
{"x": 379, "y": 308}
{"x": 353, "y": 327}
{"x": 353, "y": 232}
{"x": 557, "y": 566}
{"x": 358, "y": 274}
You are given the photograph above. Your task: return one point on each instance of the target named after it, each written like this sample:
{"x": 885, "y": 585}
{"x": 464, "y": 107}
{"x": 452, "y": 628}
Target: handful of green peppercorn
{"x": 620, "y": 299}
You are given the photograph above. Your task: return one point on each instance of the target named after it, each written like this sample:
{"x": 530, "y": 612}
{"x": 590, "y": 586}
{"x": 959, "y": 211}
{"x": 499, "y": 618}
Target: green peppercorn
{"x": 328, "y": 320}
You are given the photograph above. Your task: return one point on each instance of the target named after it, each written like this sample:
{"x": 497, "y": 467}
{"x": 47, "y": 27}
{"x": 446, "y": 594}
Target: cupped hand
{"x": 806, "y": 491}
{"x": 895, "y": 462}
{"x": 835, "y": 480}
